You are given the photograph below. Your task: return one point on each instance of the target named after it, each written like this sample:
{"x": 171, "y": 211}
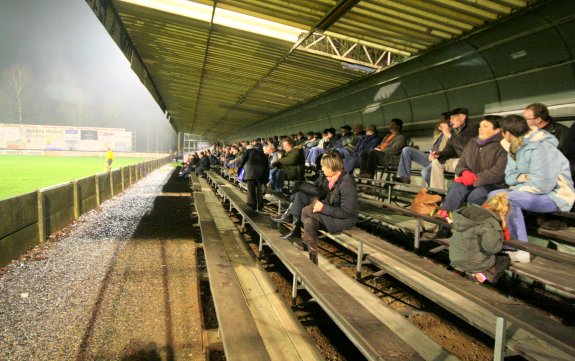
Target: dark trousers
{"x": 201, "y": 171}
{"x": 370, "y": 161}
{"x": 459, "y": 193}
{"x": 255, "y": 194}
{"x": 363, "y": 162}
{"x": 299, "y": 200}
{"x": 311, "y": 224}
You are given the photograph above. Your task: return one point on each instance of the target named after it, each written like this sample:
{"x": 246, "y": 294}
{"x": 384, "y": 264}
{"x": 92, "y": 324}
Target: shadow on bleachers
{"x": 171, "y": 214}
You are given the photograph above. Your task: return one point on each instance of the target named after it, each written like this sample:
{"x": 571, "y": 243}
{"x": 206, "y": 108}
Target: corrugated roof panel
{"x": 299, "y": 13}
{"x": 243, "y": 78}
{"x": 416, "y": 25}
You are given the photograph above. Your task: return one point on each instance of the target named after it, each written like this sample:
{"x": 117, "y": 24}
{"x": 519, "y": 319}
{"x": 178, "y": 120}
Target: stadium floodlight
{"x": 223, "y": 17}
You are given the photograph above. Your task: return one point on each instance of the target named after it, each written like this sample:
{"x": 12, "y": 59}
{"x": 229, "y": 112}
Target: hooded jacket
{"x": 477, "y": 237}
{"x": 540, "y": 168}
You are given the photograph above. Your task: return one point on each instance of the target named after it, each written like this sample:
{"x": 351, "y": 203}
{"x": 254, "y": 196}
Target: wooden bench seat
{"x": 547, "y": 331}
{"x": 196, "y": 187}
{"x": 365, "y": 329}
{"x": 240, "y": 335}
{"x": 281, "y": 333}
{"x": 547, "y": 272}
{"x": 543, "y": 270}
{"x": 550, "y": 254}
{"x": 566, "y": 236}
{"x": 530, "y": 333}
{"x": 550, "y": 267}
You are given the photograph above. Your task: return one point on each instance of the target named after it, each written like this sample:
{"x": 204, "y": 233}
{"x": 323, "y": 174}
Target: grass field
{"x": 23, "y": 174}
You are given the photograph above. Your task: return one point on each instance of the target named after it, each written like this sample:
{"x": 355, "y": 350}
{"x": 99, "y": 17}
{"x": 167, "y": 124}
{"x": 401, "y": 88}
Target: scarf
{"x": 387, "y": 141}
{"x": 437, "y": 142}
{"x": 332, "y": 180}
{"x": 485, "y": 141}
{"x": 514, "y": 147}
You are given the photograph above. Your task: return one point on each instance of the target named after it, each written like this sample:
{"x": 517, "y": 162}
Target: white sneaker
{"x": 307, "y": 164}
{"x": 519, "y": 256}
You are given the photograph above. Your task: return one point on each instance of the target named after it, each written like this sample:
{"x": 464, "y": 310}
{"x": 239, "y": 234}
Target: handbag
{"x": 241, "y": 173}
{"x": 425, "y": 203}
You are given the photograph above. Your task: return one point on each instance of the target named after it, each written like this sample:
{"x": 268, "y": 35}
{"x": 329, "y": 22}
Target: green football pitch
{"x": 23, "y": 174}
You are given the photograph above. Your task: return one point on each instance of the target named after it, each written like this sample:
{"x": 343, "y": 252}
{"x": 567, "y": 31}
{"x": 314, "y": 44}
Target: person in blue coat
{"x": 537, "y": 172}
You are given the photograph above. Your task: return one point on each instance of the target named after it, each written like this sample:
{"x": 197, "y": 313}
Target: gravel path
{"x": 120, "y": 285}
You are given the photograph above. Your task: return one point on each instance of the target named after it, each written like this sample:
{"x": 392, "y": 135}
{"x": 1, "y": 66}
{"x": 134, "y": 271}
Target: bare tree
{"x": 18, "y": 78}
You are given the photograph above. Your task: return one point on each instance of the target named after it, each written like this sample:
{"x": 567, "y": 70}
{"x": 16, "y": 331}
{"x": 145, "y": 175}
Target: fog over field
{"x": 74, "y": 73}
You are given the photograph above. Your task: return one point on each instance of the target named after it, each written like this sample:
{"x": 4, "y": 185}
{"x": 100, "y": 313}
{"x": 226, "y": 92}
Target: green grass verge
{"x": 22, "y": 173}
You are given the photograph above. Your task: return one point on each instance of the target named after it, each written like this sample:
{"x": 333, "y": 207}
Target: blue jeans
{"x": 458, "y": 193}
{"x": 276, "y": 180}
{"x": 185, "y": 172}
{"x": 409, "y": 155}
{"x": 518, "y": 200}
{"x": 313, "y": 154}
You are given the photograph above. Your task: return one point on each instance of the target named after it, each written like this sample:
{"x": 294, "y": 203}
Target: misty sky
{"x": 79, "y": 75}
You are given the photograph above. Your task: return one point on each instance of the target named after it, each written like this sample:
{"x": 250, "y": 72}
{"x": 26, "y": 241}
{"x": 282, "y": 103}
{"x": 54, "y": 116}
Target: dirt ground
{"x": 119, "y": 284}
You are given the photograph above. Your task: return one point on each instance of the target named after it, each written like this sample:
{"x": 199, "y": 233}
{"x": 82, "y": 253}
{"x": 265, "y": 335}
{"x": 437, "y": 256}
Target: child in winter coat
{"x": 478, "y": 235}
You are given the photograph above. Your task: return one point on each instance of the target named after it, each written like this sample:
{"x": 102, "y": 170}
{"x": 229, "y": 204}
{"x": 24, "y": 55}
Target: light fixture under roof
{"x": 222, "y": 17}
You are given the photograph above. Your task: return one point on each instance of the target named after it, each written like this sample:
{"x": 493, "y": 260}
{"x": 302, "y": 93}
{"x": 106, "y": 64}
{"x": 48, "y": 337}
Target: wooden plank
{"x": 216, "y": 178}
{"x": 407, "y": 212}
{"x": 548, "y": 272}
{"x": 522, "y": 342}
{"x": 567, "y": 235}
{"x": 240, "y": 335}
{"x": 373, "y": 339}
{"x": 196, "y": 187}
{"x": 283, "y": 335}
{"x": 443, "y": 286}
{"x": 409, "y": 333}
{"x": 18, "y": 212}
{"x": 550, "y": 254}
{"x": 543, "y": 252}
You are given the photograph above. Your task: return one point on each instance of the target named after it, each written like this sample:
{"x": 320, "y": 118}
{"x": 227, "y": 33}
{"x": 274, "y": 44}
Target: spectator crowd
{"x": 502, "y": 166}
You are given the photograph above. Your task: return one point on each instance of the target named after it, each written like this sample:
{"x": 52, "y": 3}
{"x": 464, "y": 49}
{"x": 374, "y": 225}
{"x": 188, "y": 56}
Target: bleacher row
{"x": 377, "y": 331}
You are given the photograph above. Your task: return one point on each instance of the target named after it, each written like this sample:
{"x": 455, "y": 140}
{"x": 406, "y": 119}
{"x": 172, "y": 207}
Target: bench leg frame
{"x": 418, "y": 230}
{"x": 500, "y": 339}
{"x": 294, "y": 289}
{"x": 359, "y": 266}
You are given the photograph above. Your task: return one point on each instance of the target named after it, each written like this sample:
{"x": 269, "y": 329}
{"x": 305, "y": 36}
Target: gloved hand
{"x": 467, "y": 178}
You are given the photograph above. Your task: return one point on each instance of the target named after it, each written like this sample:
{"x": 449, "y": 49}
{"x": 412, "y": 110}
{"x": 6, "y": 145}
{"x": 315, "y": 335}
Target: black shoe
{"x": 405, "y": 180}
{"x": 302, "y": 245}
{"x": 313, "y": 258}
{"x": 284, "y": 219}
{"x": 444, "y": 232}
{"x": 296, "y": 232}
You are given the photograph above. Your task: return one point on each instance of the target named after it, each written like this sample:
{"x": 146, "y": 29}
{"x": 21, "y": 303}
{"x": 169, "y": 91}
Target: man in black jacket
{"x": 203, "y": 165}
{"x": 447, "y": 159}
{"x": 256, "y": 173}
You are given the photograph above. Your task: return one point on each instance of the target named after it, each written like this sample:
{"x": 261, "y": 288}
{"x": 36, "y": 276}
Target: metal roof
{"x": 214, "y": 80}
